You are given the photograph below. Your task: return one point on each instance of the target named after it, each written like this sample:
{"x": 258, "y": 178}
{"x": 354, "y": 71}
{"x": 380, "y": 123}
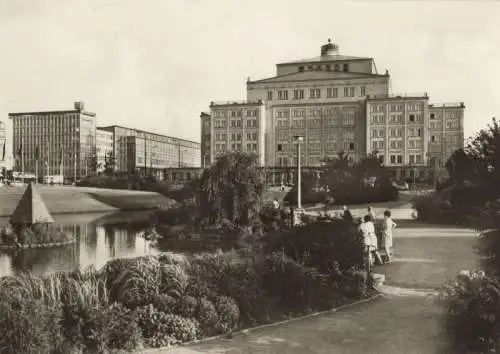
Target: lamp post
{"x": 298, "y": 139}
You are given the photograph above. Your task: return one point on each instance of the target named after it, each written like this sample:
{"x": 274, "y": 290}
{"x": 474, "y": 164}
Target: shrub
{"x": 274, "y": 220}
{"x": 472, "y": 313}
{"x": 329, "y": 247}
{"x": 137, "y": 283}
{"x": 228, "y": 313}
{"x": 188, "y": 306}
{"x": 208, "y": 317}
{"x": 28, "y": 326}
{"x": 123, "y": 331}
{"x": 159, "y": 328}
{"x": 85, "y": 327}
{"x": 166, "y": 303}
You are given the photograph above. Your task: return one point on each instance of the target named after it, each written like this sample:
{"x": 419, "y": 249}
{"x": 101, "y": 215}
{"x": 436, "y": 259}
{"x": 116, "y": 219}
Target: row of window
{"x": 449, "y": 115}
{"x": 315, "y": 112}
{"x": 454, "y": 139}
{"x": 235, "y": 113}
{"x": 316, "y": 93}
{"x": 395, "y": 107}
{"x": 236, "y": 147}
{"x": 236, "y": 123}
{"x": 327, "y": 67}
{"x": 330, "y": 146}
{"x": 253, "y": 136}
{"x": 347, "y": 121}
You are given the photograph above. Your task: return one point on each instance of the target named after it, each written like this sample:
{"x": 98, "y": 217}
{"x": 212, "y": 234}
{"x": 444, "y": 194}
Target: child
{"x": 388, "y": 225}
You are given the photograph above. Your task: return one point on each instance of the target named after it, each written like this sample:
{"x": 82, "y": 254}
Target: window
{"x": 418, "y": 158}
{"x": 283, "y": 95}
{"x": 298, "y": 94}
{"x": 412, "y": 159}
{"x": 412, "y": 118}
{"x": 315, "y": 93}
{"x": 433, "y": 116}
{"x": 349, "y": 119}
{"x": 337, "y": 67}
{"x": 399, "y": 159}
{"x": 346, "y": 67}
{"x": 362, "y": 91}
{"x": 349, "y": 91}
{"x": 393, "y": 159}
{"x": 301, "y": 69}
{"x": 433, "y": 138}
{"x": 328, "y": 67}
{"x": 299, "y": 113}
{"x": 269, "y": 95}
{"x": 332, "y": 92}
{"x": 351, "y": 146}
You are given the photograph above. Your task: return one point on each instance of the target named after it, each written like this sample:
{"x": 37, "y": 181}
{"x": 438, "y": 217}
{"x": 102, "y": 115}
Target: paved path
{"x": 403, "y": 320}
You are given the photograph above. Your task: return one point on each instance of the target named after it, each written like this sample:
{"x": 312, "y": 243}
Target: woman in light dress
{"x": 367, "y": 229}
{"x": 388, "y": 225}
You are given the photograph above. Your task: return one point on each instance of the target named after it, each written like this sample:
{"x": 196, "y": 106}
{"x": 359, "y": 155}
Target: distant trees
{"x": 109, "y": 164}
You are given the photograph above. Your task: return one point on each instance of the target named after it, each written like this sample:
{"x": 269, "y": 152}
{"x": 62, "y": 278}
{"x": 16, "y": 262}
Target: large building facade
{"x": 104, "y": 148}
{"x": 138, "y": 151}
{"x": 340, "y": 103}
{"x": 55, "y": 142}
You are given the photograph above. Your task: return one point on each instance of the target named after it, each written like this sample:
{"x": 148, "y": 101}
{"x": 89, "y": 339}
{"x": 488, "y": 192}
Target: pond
{"x": 99, "y": 238}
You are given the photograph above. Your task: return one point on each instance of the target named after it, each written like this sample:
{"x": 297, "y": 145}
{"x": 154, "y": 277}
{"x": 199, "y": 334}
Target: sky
{"x": 157, "y": 64}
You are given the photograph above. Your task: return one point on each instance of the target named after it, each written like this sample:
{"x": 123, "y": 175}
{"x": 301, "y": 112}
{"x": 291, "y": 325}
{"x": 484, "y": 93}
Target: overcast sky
{"x": 157, "y": 64}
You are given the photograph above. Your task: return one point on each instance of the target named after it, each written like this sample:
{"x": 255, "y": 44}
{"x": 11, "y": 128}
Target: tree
{"x": 230, "y": 192}
{"x": 336, "y": 170}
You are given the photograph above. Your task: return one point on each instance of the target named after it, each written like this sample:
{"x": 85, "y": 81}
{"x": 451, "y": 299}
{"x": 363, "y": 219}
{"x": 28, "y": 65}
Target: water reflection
{"x": 99, "y": 238}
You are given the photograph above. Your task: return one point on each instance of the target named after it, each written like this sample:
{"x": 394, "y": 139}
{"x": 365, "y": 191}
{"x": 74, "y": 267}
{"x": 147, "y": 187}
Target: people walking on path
{"x": 367, "y": 229}
{"x": 371, "y": 212}
{"x": 387, "y": 227}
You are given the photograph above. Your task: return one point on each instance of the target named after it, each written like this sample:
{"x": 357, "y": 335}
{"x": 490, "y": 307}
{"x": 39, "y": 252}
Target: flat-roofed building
{"x": 55, "y": 142}
{"x": 137, "y": 150}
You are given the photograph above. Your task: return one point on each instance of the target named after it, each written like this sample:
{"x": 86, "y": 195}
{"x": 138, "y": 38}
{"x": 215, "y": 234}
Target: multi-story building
{"x": 104, "y": 147}
{"x": 446, "y": 131}
{"x": 138, "y": 150}
{"x": 55, "y": 142}
{"x": 237, "y": 126}
{"x": 340, "y": 103}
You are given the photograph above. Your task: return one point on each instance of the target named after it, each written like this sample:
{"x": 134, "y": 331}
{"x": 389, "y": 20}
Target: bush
{"x": 208, "y": 317}
{"x": 166, "y": 303}
{"x": 472, "y": 313}
{"x": 33, "y": 235}
{"x": 123, "y": 331}
{"x": 85, "y": 327}
{"x": 29, "y": 326}
{"x": 274, "y": 220}
{"x": 228, "y": 313}
{"x": 330, "y": 247}
{"x": 161, "y": 329}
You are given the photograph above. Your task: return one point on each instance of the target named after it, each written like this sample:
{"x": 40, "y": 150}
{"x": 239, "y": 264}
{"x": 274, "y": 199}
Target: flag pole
{"x": 36, "y": 170}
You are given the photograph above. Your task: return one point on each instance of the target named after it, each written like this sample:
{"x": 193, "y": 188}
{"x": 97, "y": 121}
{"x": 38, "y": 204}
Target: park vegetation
{"x": 272, "y": 271}
{"x": 471, "y": 302}
{"x": 341, "y": 181}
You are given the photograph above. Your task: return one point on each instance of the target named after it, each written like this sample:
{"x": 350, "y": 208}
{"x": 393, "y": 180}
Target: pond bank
{"x": 70, "y": 200}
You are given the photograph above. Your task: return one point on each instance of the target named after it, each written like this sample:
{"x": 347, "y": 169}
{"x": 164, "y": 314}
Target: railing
{"x": 447, "y": 105}
{"x": 400, "y": 95}
{"x": 225, "y": 103}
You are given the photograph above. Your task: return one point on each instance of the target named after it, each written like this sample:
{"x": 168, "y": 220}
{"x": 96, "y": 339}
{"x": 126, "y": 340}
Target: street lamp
{"x": 298, "y": 139}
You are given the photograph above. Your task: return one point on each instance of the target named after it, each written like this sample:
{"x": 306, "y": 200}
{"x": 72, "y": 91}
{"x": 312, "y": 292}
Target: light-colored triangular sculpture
{"x": 31, "y": 209}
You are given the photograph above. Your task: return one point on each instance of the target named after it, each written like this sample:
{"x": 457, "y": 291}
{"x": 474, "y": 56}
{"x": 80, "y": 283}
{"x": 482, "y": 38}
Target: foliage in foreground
{"x": 471, "y": 313}
{"x": 170, "y": 298}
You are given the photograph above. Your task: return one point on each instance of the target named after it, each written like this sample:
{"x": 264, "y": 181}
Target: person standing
{"x": 371, "y": 212}
{"x": 387, "y": 227}
{"x": 367, "y": 229}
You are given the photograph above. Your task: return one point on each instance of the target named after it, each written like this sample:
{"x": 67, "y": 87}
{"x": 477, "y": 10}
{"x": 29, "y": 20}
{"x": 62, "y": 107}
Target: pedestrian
{"x": 388, "y": 225}
{"x": 371, "y": 212}
{"x": 347, "y": 216}
{"x": 276, "y": 204}
{"x": 367, "y": 228}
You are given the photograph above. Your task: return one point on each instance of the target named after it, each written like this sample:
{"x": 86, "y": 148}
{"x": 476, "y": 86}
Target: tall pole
{"x": 74, "y": 172}
{"x": 145, "y": 155}
{"x": 22, "y": 165}
{"x": 299, "y": 178}
{"x": 36, "y": 170}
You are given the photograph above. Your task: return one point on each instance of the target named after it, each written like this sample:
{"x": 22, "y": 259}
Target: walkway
{"x": 401, "y": 321}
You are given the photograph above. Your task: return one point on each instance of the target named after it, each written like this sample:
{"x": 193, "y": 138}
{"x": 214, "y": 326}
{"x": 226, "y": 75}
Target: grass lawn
{"x": 424, "y": 263}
